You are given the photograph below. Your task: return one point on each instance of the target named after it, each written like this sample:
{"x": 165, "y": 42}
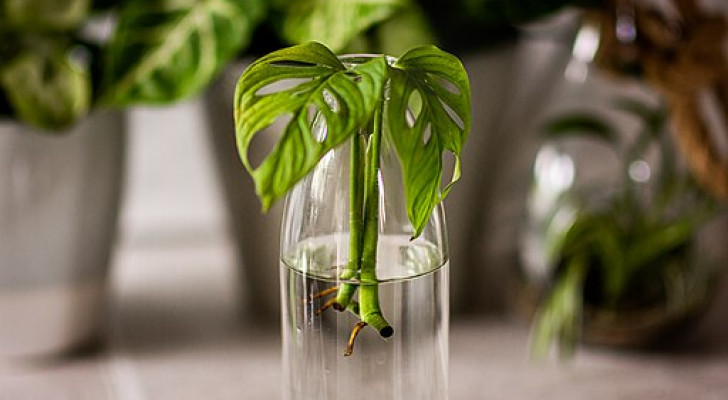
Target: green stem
{"x": 559, "y": 319}
{"x": 369, "y": 308}
{"x": 356, "y": 224}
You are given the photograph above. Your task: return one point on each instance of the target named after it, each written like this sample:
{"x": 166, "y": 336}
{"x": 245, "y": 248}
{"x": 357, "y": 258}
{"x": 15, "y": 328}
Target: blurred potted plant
{"x": 66, "y": 64}
{"x": 614, "y": 251}
{"x": 612, "y": 248}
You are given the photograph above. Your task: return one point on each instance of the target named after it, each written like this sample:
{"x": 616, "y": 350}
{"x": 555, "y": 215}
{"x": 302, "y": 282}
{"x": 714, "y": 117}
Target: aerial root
{"x": 326, "y": 305}
{"x": 354, "y": 333}
{"x": 321, "y": 294}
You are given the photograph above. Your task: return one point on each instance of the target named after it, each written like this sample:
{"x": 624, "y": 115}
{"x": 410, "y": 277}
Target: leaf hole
{"x": 448, "y": 168}
{"x": 414, "y": 108}
{"x": 444, "y": 83}
{"x": 331, "y": 100}
{"x": 263, "y": 143}
{"x": 311, "y": 113}
{"x": 319, "y": 128}
{"x": 427, "y": 135}
{"x": 281, "y": 86}
{"x": 453, "y": 115}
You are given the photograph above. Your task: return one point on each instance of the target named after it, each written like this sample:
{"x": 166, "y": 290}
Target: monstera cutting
{"x": 419, "y": 104}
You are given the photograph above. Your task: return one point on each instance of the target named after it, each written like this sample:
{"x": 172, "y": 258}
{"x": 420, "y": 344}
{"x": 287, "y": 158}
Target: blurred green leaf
{"x": 44, "y": 15}
{"x": 559, "y": 318}
{"x": 165, "y": 50}
{"x": 335, "y": 22}
{"x": 47, "y": 92}
{"x": 576, "y": 124}
{"x": 406, "y": 29}
{"x": 653, "y": 244}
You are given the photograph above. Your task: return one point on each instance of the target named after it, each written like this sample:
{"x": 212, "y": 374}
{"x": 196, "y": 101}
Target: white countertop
{"x": 175, "y": 333}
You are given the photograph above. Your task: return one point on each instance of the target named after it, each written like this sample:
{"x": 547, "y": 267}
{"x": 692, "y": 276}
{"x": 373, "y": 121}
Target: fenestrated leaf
{"x": 48, "y": 92}
{"x": 442, "y": 85}
{"x": 164, "y": 50}
{"x": 334, "y": 22}
{"x": 580, "y": 123}
{"x": 344, "y": 98}
{"x": 44, "y": 15}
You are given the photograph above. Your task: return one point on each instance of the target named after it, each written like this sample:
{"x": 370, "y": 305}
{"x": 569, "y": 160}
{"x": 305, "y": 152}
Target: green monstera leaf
{"x": 44, "y": 15}
{"x": 428, "y": 114}
{"x": 323, "y": 86}
{"x": 165, "y": 50}
{"x": 48, "y": 92}
{"x": 335, "y": 22}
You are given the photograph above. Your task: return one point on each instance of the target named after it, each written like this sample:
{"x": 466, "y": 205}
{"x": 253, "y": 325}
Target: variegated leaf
{"x": 48, "y": 92}
{"x": 165, "y": 50}
{"x": 335, "y": 22}
{"x": 44, "y": 15}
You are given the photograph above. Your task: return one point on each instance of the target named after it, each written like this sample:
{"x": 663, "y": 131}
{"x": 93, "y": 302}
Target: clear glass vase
{"x": 612, "y": 250}
{"x": 411, "y": 283}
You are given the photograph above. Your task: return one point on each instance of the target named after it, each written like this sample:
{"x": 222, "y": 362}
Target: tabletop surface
{"x": 175, "y": 332}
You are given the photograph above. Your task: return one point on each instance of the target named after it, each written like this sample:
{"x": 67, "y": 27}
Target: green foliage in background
{"x": 335, "y": 22}
{"x": 629, "y": 249}
{"x": 44, "y": 15}
{"x": 42, "y": 81}
{"x": 164, "y": 50}
{"x": 159, "y": 51}
{"x": 52, "y": 71}
{"x": 47, "y": 90}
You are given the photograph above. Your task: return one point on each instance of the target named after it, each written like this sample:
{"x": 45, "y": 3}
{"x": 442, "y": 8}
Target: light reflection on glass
{"x": 639, "y": 171}
{"x": 583, "y": 52}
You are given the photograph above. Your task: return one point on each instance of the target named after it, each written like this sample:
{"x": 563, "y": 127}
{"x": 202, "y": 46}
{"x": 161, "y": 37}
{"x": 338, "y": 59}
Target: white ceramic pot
{"x": 59, "y": 198}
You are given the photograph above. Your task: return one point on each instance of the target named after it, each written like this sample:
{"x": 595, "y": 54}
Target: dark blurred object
{"x": 256, "y": 234}
{"x": 679, "y": 49}
{"x": 459, "y": 26}
{"x": 482, "y": 23}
